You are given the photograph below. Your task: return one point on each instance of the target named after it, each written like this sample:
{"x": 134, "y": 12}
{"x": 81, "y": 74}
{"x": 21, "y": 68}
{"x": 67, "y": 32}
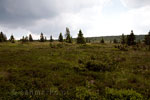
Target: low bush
{"x": 98, "y": 66}
{"x": 113, "y": 94}
{"x": 121, "y": 47}
{"x": 82, "y": 93}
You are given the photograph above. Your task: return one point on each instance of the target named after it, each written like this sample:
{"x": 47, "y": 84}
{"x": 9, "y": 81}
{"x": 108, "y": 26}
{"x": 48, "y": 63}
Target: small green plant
{"x": 113, "y": 94}
{"x": 82, "y": 93}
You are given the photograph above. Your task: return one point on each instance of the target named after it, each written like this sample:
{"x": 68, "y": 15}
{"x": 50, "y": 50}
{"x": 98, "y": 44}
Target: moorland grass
{"x": 53, "y": 71}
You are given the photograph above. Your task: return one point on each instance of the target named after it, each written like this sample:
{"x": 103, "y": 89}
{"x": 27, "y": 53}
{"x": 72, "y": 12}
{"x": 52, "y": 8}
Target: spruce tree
{"x": 30, "y": 38}
{"x": 102, "y": 40}
{"x": 51, "y": 38}
{"x": 42, "y": 38}
{"x": 3, "y": 37}
{"x": 123, "y": 39}
{"x": 68, "y": 37}
{"x": 12, "y": 39}
{"x": 80, "y": 38}
{"x": 60, "y": 37}
{"x": 132, "y": 36}
{"x": 131, "y": 39}
{"x": 147, "y": 39}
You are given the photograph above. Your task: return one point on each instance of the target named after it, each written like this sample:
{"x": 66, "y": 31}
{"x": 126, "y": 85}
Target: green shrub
{"x": 82, "y": 93}
{"x": 113, "y": 94}
{"x": 98, "y": 66}
{"x": 121, "y": 47}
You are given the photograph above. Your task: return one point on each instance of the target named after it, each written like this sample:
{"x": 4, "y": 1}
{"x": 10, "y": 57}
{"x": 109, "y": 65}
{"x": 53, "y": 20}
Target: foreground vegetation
{"x": 53, "y": 71}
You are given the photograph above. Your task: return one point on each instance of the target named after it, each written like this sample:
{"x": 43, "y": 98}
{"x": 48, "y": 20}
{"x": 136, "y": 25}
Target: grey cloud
{"x": 26, "y": 13}
{"x": 136, "y": 3}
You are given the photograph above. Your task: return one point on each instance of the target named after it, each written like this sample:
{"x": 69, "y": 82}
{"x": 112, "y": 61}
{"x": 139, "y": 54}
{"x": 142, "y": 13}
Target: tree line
{"x": 130, "y": 39}
{"x": 68, "y": 38}
{"x": 125, "y": 39}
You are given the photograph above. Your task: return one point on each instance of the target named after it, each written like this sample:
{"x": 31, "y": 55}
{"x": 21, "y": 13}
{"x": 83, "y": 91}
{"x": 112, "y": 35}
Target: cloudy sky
{"x": 94, "y": 17}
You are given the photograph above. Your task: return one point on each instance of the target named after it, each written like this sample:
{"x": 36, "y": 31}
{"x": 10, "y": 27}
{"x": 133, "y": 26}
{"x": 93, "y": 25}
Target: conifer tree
{"x": 68, "y": 37}
{"x": 60, "y": 37}
{"x": 131, "y": 39}
{"x": 80, "y": 38}
{"x": 42, "y": 38}
{"x": 30, "y": 38}
{"x": 123, "y": 39}
{"x": 12, "y": 39}
{"x": 102, "y": 41}
{"x": 3, "y": 37}
{"x": 147, "y": 39}
{"x": 51, "y": 38}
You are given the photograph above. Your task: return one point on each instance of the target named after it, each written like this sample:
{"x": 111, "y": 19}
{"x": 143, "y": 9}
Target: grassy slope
{"x": 61, "y": 68}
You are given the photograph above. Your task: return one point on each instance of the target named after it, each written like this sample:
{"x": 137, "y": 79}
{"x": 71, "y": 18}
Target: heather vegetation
{"x": 74, "y": 69}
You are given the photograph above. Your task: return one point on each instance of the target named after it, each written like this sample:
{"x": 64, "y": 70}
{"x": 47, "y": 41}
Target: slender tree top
{"x": 1, "y": 32}
{"x": 80, "y": 38}
{"x": 41, "y": 33}
{"x": 60, "y": 37}
{"x": 67, "y": 30}
{"x": 149, "y": 33}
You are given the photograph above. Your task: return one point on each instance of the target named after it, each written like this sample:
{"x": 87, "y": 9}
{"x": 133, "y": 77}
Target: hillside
{"x": 111, "y": 38}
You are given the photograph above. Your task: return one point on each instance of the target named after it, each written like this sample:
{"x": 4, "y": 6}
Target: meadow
{"x": 63, "y": 71}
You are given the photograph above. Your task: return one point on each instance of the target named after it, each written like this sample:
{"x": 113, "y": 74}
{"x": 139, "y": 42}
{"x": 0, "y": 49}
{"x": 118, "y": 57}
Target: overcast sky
{"x": 94, "y": 17}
